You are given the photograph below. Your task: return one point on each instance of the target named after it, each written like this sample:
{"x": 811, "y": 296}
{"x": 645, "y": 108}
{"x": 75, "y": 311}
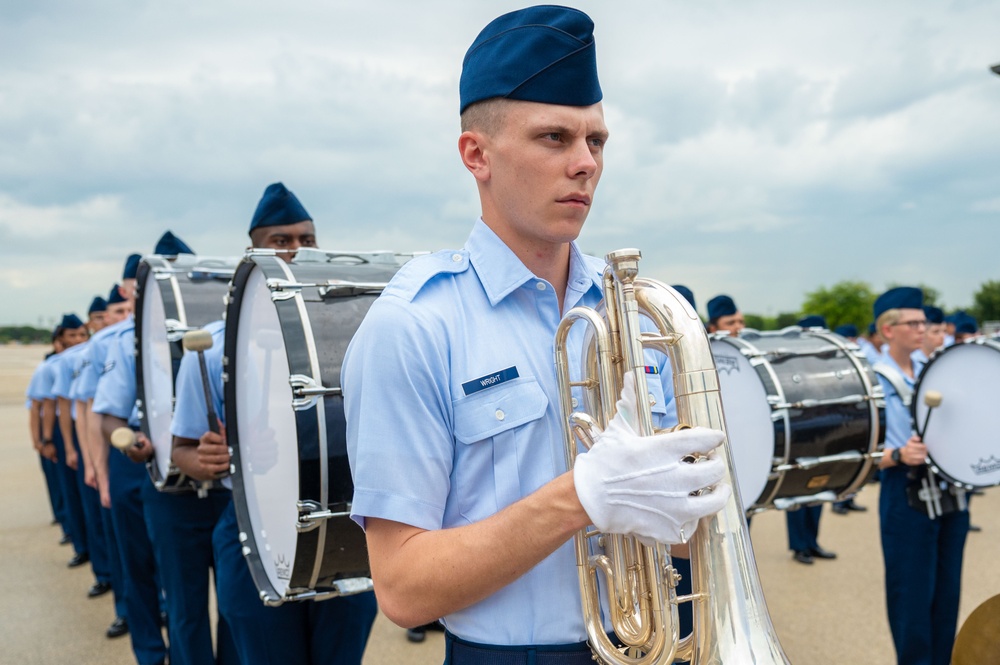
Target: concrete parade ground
{"x": 828, "y": 613}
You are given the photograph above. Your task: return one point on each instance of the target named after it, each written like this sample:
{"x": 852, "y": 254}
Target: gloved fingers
{"x": 699, "y": 475}
{"x": 711, "y": 502}
{"x": 700, "y": 440}
{"x": 625, "y": 407}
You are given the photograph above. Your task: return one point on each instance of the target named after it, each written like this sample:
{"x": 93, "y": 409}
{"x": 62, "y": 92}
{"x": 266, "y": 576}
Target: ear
{"x": 472, "y": 146}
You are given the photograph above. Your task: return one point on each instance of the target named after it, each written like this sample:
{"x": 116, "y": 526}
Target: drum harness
{"x": 925, "y": 491}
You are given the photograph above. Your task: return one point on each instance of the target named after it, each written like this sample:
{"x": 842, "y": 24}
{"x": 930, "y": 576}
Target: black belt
{"x": 463, "y": 652}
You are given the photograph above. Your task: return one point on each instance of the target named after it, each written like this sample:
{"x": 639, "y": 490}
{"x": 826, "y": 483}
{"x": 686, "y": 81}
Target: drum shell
{"x": 315, "y": 332}
{"x": 191, "y": 291}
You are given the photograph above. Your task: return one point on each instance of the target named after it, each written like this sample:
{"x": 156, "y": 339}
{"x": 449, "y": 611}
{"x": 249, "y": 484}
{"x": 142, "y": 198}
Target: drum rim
{"x": 915, "y": 402}
{"x": 152, "y": 266}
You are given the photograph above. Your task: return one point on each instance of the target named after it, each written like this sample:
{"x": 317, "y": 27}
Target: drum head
{"x": 748, "y": 419}
{"x": 963, "y": 434}
{"x": 157, "y": 375}
{"x": 269, "y": 464}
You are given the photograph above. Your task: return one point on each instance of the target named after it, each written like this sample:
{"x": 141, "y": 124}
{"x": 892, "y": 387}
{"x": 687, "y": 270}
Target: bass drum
{"x": 171, "y": 298}
{"x": 288, "y": 327}
{"x": 805, "y": 413}
{"x": 963, "y": 433}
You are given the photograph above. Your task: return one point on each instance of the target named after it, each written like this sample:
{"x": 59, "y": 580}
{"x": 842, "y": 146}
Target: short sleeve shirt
{"x": 898, "y": 424}
{"x": 63, "y": 371}
{"x": 93, "y": 365}
{"x": 453, "y": 414}
{"x": 40, "y": 386}
{"x": 116, "y": 389}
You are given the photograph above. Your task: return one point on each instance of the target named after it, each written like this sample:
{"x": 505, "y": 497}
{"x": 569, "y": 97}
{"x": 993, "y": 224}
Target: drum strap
{"x": 894, "y": 377}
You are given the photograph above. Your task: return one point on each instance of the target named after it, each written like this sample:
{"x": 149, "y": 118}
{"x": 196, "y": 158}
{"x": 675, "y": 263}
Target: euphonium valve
{"x": 731, "y": 623}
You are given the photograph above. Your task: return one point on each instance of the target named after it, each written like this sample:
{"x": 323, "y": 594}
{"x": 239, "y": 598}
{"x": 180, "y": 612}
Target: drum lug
{"x": 306, "y": 390}
{"x": 311, "y": 514}
{"x": 283, "y": 289}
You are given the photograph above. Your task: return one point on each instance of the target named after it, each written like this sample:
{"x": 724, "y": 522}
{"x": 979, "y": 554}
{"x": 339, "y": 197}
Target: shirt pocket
{"x": 490, "y": 427}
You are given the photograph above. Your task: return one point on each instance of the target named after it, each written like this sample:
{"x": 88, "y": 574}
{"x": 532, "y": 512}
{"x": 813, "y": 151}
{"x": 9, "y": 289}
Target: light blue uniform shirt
{"x": 898, "y": 424}
{"x": 63, "y": 371}
{"x": 96, "y": 357}
{"x": 116, "y": 388}
{"x": 80, "y": 361}
{"x": 871, "y": 353}
{"x": 919, "y": 356}
{"x": 40, "y": 386}
{"x": 431, "y": 447}
{"x": 190, "y": 412}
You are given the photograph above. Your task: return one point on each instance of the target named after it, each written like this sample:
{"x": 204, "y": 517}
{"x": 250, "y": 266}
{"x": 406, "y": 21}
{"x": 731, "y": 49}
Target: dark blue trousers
{"x": 75, "y": 524}
{"x": 329, "y": 632}
{"x": 130, "y": 485}
{"x": 114, "y": 563}
{"x": 55, "y": 491}
{"x": 90, "y": 501}
{"x": 803, "y": 528}
{"x": 180, "y": 526}
{"x": 923, "y": 574}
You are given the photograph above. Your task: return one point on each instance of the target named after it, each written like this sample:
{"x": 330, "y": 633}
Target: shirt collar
{"x": 918, "y": 366}
{"x": 501, "y": 272}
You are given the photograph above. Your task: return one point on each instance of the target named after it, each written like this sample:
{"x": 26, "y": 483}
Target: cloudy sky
{"x": 759, "y": 148}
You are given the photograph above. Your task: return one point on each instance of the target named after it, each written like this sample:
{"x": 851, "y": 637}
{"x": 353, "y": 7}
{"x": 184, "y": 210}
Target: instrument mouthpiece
{"x": 122, "y": 438}
{"x": 197, "y": 340}
{"x": 933, "y": 399}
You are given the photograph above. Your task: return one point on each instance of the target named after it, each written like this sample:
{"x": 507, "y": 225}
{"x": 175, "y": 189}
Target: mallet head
{"x": 933, "y": 399}
{"x": 197, "y": 340}
{"x": 122, "y": 438}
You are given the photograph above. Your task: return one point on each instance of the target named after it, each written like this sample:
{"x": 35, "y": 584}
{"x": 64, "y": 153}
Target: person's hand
{"x": 213, "y": 454}
{"x": 142, "y": 450}
{"x": 914, "y": 453}
{"x": 72, "y": 459}
{"x": 104, "y": 491}
{"x": 49, "y": 452}
{"x": 642, "y": 486}
{"x": 89, "y": 476}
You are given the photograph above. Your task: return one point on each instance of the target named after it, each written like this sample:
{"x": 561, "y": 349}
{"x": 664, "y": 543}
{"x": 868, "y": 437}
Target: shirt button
{"x": 575, "y": 402}
{"x": 540, "y": 286}
{"x": 500, "y": 414}
{"x": 456, "y": 258}
{"x": 652, "y": 399}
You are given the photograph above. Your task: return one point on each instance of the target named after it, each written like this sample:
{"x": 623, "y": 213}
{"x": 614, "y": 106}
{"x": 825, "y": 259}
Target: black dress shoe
{"x": 803, "y": 557}
{"x": 78, "y": 560}
{"x": 117, "y": 628}
{"x": 821, "y": 553}
{"x": 975, "y": 527}
{"x": 98, "y": 589}
{"x": 856, "y": 508}
{"x": 65, "y": 540}
{"x": 417, "y": 634}
{"x": 839, "y": 508}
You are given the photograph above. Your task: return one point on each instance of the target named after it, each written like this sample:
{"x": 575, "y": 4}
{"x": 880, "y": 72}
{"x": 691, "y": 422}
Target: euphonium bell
{"x": 731, "y": 623}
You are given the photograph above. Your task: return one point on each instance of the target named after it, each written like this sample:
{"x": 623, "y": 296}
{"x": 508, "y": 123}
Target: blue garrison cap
{"x": 901, "y": 297}
{"x": 847, "y": 330}
{"x": 278, "y": 207}
{"x": 813, "y": 321}
{"x": 954, "y": 317}
{"x": 720, "y": 306}
{"x": 70, "y": 322}
{"x": 966, "y": 324}
{"x": 686, "y": 292}
{"x": 171, "y": 245}
{"x": 98, "y": 304}
{"x": 115, "y": 296}
{"x": 933, "y": 314}
{"x": 131, "y": 266}
{"x": 538, "y": 54}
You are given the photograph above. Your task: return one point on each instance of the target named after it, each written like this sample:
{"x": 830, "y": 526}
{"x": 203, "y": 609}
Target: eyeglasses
{"x": 914, "y": 325}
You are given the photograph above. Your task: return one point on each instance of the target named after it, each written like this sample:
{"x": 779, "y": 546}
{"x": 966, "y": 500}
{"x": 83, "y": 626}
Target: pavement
{"x": 829, "y": 613}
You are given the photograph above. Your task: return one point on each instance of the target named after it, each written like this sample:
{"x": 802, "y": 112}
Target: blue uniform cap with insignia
{"x": 966, "y": 324}
{"x": 171, "y": 245}
{"x": 538, "y": 54}
{"x": 847, "y": 330}
{"x": 686, "y": 292}
{"x": 115, "y": 295}
{"x": 933, "y": 314}
{"x": 720, "y": 306}
{"x": 901, "y": 297}
{"x": 98, "y": 304}
{"x": 812, "y": 321}
{"x": 70, "y": 322}
{"x": 131, "y": 266}
{"x": 278, "y": 207}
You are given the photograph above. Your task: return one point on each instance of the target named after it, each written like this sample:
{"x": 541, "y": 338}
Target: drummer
{"x": 923, "y": 555}
{"x": 966, "y": 328}
{"x": 724, "y": 316}
{"x": 933, "y": 335}
{"x": 332, "y": 631}
{"x": 803, "y": 523}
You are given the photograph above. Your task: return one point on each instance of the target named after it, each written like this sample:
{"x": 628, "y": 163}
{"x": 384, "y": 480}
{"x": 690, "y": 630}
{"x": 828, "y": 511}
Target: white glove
{"x": 640, "y": 486}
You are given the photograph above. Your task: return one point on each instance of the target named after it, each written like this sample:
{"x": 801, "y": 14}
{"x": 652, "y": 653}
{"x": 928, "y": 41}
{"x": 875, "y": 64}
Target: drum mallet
{"x": 200, "y": 341}
{"x": 932, "y": 400}
{"x": 930, "y": 491}
{"x": 124, "y": 438}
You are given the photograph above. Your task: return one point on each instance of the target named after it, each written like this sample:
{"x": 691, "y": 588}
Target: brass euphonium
{"x": 731, "y": 623}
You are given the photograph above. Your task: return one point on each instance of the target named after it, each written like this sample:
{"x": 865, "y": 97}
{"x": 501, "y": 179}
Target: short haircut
{"x": 889, "y": 317}
{"x": 486, "y": 116}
